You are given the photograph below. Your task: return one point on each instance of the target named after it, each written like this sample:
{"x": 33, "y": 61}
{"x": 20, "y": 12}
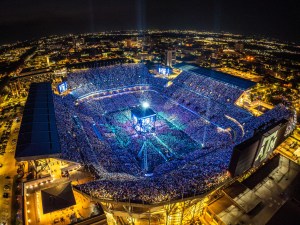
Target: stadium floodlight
{"x": 145, "y": 105}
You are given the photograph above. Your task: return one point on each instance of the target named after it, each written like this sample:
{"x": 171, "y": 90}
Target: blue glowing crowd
{"x": 194, "y": 112}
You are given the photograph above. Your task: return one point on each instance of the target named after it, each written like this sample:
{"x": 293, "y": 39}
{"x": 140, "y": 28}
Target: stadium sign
{"x": 256, "y": 150}
{"x": 268, "y": 145}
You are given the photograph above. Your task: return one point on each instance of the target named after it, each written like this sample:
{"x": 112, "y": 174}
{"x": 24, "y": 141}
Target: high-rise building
{"x": 128, "y": 43}
{"x": 47, "y": 60}
{"x": 170, "y": 58}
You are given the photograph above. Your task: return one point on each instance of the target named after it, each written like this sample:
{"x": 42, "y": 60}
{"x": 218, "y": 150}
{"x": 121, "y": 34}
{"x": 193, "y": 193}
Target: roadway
{"x": 7, "y": 173}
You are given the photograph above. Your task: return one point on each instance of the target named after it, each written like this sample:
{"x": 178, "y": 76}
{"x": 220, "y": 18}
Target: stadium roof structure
{"x": 58, "y": 197}
{"x": 242, "y": 196}
{"x": 38, "y": 136}
{"x": 290, "y": 210}
{"x": 223, "y": 77}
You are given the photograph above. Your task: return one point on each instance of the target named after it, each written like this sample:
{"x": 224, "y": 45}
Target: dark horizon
{"x": 30, "y": 19}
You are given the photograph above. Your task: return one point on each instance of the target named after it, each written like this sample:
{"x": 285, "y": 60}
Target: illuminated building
{"x": 170, "y": 58}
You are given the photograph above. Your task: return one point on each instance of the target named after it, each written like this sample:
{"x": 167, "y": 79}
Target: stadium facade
{"x": 202, "y": 142}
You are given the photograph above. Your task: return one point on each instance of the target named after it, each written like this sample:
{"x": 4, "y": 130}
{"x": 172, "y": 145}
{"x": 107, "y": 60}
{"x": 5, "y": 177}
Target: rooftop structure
{"x": 57, "y": 198}
{"x": 38, "y": 137}
{"x": 219, "y": 76}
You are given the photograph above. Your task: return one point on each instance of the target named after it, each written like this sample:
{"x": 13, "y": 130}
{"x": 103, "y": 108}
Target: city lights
{"x": 167, "y": 120}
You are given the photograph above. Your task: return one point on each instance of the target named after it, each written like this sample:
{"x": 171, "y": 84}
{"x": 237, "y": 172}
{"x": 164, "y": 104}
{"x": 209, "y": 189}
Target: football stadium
{"x": 150, "y": 141}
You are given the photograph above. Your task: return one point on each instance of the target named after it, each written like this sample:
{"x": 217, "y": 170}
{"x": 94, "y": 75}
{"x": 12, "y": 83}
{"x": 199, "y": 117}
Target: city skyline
{"x": 30, "y": 19}
{"x": 145, "y": 112}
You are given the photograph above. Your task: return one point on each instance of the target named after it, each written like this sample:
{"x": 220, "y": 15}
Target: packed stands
{"x": 197, "y": 126}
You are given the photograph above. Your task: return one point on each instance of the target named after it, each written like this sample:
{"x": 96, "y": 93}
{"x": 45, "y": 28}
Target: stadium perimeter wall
{"x": 185, "y": 211}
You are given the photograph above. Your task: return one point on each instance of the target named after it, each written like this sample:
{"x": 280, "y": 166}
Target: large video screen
{"x": 269, "y": 141}
{"x": 164, "y": 70}
{"x": 62, "y": 87}
{"x": 243, "y": 156}
{"x": 257, "y": 149}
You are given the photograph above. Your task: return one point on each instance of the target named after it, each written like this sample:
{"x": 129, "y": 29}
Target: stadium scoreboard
{"x": 164, "y": 70}
{"x": 269, "y": 142}
{"x": 62, "y": 87}
{"x": 256, "y": 150}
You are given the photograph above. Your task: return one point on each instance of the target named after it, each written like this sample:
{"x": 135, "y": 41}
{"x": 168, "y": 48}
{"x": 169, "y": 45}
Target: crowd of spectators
{"x": 197, "y": 127}
{"x": 107, "y": 78}
{"x": 217, "y": 90}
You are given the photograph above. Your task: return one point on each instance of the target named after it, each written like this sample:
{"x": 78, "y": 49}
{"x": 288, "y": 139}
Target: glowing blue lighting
{"x": 145, "y": 105}
{"x": 62, "y": 87}
{"x": 164, "y": 71}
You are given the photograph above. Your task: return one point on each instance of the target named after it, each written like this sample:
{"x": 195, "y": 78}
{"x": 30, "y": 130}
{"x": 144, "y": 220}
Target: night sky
{"x": 26, "y": 19}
